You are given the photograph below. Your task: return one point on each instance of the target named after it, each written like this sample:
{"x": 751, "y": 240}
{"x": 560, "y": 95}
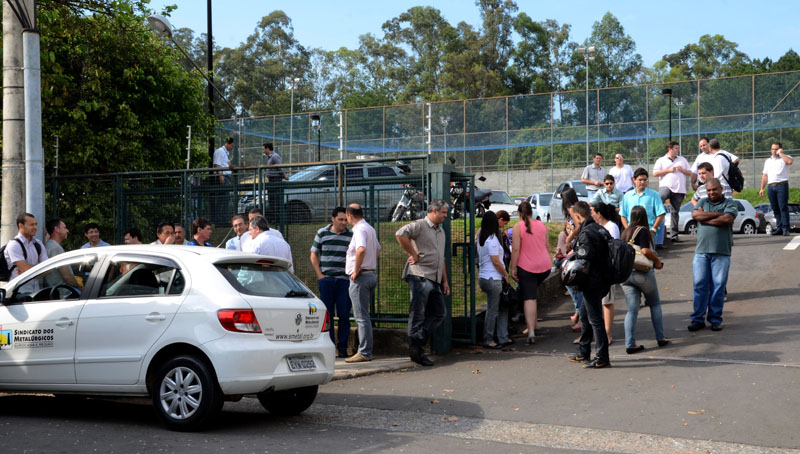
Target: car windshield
{"x": 544, "y": 199}
{"x": 500, "y": 197}
{"x": 580, "y": 189}
{"x": 263, "y": 279}
{"x": 307, "y": 174}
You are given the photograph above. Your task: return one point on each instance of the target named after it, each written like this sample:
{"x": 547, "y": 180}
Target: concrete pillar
{"x": 13, "y": 127}
{"x": 440, "y": 189}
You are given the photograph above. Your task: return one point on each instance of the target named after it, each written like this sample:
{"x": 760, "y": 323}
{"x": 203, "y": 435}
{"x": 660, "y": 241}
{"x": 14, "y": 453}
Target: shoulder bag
{"x": 641, "y": 262}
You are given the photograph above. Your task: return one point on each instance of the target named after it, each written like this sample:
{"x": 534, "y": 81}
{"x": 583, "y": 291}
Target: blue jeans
{"x": 710, "y": 278}
{"x": 426, "y": 311}
{"x": 362, "y": 291}
{"x": 577, "y": 297}
{"x": 334, "y": 293}
{"x": 779, "y": 200}
{"x": 592, "y": 325}
{"x": 638, "y": 284}
{"x": 494, "y": 314}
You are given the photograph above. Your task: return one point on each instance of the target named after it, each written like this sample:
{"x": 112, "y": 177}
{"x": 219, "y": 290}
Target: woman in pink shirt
{"x": 530, "y": 262}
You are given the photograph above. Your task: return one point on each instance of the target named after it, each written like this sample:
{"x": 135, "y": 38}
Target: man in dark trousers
{"x": 591, "y": 245}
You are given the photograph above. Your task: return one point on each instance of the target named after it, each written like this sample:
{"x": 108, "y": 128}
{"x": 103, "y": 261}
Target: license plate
{"x": 300, "y": 363}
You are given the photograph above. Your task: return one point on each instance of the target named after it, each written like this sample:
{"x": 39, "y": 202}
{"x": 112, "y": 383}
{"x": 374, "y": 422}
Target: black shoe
{"x": 676, "y": 240}
{"x": 663, "y": 343}
{"x": 716, "y": 327}
{"x": 659, "y": 247}
{"x": 596, "y": 364}
{"x": 777, "y": 232}
{"x": 696, "y": 326}
{"x": 576, "y": 358}
{"x": 422, "y": 361}
{"x": 635, "y": 349}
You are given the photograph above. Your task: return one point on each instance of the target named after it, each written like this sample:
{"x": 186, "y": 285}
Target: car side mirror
{"x": 557, "y": 196}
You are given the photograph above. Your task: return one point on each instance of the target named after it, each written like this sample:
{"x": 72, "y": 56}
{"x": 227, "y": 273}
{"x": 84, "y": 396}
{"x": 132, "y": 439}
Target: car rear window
{"x": 263, "y": 279}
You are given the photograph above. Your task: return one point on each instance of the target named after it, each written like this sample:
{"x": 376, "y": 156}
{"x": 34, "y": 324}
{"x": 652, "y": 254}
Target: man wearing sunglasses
{"x": 672, "y": 170}
{"x": 610, "y": 195}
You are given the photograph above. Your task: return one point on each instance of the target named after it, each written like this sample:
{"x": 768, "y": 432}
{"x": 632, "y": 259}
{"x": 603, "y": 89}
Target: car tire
{"x": 290, "y": 402}
{"x": 768, "y": 229}
{"x": 185, "y": 394}
{"x": 749, "y": 228}
{"x": 691, "y": 228}
{"x": 299, "y": 213}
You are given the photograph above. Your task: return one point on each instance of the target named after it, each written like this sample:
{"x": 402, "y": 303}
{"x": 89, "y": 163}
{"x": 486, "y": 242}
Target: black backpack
{"x": 622, "y": 255}
{"x": 735, "y": 178}
{"x": 5, "y": 270}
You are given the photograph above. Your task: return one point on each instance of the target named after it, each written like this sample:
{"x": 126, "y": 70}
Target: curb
{"x": 344, "y": 370}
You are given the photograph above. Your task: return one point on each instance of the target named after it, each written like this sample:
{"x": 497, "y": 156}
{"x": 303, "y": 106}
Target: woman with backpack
{"x": 642, "y": 282}
{"x": 530, "y": 262}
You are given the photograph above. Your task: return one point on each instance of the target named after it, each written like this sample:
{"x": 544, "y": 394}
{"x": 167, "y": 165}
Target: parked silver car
{"x": 540, "y": 201}
{"x": 770, "y": 224}
{"x": 746, "y": 221}
{"x": 555, "y": 201}
{"x": 311, "y": 194}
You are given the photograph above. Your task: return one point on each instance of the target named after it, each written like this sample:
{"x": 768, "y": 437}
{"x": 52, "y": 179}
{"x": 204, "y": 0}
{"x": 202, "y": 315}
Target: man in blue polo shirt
{"x": 644, "y": 197}
{"x": 610, "y": 195}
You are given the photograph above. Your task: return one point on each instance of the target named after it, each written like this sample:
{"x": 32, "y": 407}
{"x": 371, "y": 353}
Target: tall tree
{"x": 711, "y": 56}
{"x": 498, "y": 26}
{"x": 616, "y": 62}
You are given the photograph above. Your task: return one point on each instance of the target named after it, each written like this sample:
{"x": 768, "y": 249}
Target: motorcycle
{"x": 459, "y": 194}
{"x": 411, "y": 205}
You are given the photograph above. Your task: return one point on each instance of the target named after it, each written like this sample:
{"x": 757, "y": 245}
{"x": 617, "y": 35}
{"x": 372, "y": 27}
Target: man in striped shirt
{"x": 328, "y": 253}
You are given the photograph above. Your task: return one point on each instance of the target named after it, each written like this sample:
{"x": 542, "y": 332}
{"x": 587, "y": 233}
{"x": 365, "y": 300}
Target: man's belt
{"x": 779, "y": 184}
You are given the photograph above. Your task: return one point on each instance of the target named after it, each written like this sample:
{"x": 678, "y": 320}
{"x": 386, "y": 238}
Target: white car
{"x": 500, "y": 200}
{"x": 746, "y": 221}
{"x": 555, "y": 202}
{"x": 188, "y": 326}
{"x": 540, "y": 201}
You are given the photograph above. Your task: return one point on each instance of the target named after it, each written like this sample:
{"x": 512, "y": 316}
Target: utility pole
{"x": 13, "y": 123}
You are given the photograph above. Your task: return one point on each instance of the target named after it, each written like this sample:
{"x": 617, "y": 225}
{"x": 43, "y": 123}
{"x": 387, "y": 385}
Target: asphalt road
{"x": 730, "y": 391}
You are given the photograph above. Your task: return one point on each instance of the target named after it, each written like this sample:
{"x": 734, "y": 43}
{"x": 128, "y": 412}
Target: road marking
{"x": 517, "y": 432}
{"x": 794, "y": 244}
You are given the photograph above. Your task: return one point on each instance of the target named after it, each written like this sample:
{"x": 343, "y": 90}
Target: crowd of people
{"x": 345, "y": 253}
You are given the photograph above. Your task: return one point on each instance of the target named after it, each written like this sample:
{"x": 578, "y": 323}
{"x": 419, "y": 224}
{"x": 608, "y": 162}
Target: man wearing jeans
{"x": 671, "y": 170}
{"x": 776, "y": 175}
{"x": 424, "y": 241}
{"x": 328, "y": 255}
{"x": 712, "y": 256}
{"x": 360, "y": 263}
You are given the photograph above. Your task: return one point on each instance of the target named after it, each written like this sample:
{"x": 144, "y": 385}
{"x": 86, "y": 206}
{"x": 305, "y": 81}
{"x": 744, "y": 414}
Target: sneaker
{"x": 576, "y": 358}
{"x": 597, "y": 364}
{"x": 663, "y": 343}
{"x": 636, "y": 349}
{"x": 422, "y": 360}
{"x": 716, "y": 327}
{"x": 358, "y": 358}
{"x": 695, "y": 326}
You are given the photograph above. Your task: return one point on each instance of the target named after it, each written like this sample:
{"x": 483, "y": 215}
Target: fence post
{"x": 440, "y": 189}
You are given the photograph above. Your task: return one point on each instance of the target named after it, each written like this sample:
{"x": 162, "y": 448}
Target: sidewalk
{"x": 378, "y": 365}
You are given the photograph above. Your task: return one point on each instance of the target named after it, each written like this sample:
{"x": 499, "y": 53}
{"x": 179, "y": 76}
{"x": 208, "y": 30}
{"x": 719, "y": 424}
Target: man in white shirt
{"x": 776, "y": 175}
{"x": 704, "y": 156}
{"x": 721, "y": 161}
{"x": 221, "y": 161}
{"x": 239, "y": 229}
{"x": 671, "y": 170}
{"x": 25, "y": 250}
{"x": 622, "y": 173}
{"x": 263, "y": 243}
{"x": 165, "y": 233}
{"x": 360, "y": 264}
{"x": 270, "y": 230}
{"x": 593, "y": 175}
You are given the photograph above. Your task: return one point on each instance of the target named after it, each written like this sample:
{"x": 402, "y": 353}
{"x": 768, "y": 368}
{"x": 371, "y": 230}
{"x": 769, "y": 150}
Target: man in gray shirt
{"x": 57, "y": 231}
{"x": 593, "y": 175}
{"x": 425, "y": 272}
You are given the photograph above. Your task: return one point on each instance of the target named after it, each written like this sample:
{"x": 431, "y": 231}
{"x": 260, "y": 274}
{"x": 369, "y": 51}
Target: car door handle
{"x": 155, "y": 317}
{"x": 65, "y": 323}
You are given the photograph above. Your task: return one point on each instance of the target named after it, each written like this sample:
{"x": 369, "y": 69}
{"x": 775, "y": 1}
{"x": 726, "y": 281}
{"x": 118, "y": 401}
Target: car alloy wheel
{"x": 691, "y": 228}
{"x": 749, "y": 228}
{"x": 768, "y": 229}
{"x": 185, "y": 393}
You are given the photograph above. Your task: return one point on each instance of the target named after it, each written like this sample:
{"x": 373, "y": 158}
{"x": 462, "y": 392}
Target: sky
{"x": 761, "y": 28}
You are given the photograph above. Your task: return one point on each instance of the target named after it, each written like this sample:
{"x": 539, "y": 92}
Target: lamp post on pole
{"x": 668, "y": 92}
{"x": 316, "y": 123}
{"x": 679, "y": 104}
{"x": 588, "y": 55}
{"x": 292, "y": 81}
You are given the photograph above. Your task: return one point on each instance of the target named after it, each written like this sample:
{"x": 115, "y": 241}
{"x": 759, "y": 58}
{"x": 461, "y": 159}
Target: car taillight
{"x": 325, "y": 323}
{"x": 239, "y": 320}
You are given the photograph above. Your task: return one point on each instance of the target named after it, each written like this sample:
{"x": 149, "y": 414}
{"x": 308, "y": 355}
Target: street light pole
{"x": 316, "y": 123}
{"x": 292, "y": 87}
{"x": 588, "y": 55}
